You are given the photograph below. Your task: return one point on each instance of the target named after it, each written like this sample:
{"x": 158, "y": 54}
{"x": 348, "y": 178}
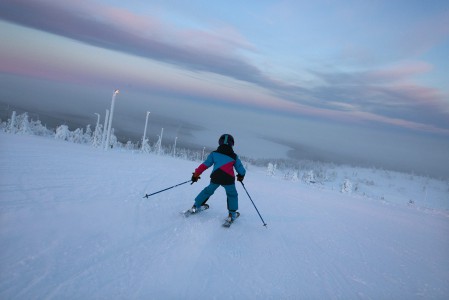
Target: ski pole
{"x": 148, "y": 195}
{"x": 264, "y": 224}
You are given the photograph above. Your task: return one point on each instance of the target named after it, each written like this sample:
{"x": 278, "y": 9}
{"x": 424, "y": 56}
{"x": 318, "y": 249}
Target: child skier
{"x": 224, "y": 161}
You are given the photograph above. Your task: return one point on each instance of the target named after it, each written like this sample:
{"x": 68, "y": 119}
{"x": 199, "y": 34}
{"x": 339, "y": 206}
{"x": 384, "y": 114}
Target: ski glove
{"x": 195, "y": 177}
{"x": 240, "y": 177}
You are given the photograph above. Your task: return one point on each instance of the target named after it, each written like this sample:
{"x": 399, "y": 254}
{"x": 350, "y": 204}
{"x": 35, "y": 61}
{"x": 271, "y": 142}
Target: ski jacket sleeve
{"x": 205, "y": 165}
{"x": 239, "y": 167}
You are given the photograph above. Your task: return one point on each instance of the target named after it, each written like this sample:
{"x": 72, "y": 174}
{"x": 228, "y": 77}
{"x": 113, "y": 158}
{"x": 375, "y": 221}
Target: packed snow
{"x": 74, "y": 225}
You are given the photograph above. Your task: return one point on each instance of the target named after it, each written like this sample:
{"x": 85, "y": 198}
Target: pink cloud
{"x": 350, "y": 97}
{"x": 214, "y": 50}
{"x": 426, "y": 34}
{"x": 400, "y": 72}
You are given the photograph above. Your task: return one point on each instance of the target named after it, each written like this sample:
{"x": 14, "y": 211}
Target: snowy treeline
{"x": 23, "y": 124}
{"x": 372, "y": 183}
{"x": 77, "y": 136}
{"x": 385, "y": 185}
{"x": 307, "y": 171}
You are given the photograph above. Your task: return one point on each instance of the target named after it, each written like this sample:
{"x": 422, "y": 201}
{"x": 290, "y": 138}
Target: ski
{"x": 189, "y": 212}
{"x": 228, "y": 221}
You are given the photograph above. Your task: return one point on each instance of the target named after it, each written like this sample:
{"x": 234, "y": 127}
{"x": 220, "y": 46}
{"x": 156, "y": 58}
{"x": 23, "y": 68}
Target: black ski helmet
{"x": 226, "y": 139}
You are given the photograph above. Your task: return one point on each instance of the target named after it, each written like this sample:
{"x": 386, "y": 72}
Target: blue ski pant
{"x": 231, "y": 193}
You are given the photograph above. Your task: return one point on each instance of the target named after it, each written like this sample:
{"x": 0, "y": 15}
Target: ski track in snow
{"x": 74, "y": 225}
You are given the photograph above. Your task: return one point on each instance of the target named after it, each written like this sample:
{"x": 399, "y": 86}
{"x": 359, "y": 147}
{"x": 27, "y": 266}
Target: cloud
{"x": 385, "y": 95}
{"x": 400, "y": 72}
{"x": 426, "y": 34}
{"x": 146, "y": 36}
{"x": 388, "y": 95}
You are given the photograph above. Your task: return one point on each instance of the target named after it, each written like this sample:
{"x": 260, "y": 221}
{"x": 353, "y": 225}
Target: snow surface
{"x": 74, "y": 225}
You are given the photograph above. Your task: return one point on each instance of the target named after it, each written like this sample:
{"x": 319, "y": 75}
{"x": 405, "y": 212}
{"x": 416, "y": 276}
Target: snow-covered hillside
{"x": 74, "y": 225}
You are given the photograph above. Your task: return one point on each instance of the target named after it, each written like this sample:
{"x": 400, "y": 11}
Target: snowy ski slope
{"x": 74, "y": 225}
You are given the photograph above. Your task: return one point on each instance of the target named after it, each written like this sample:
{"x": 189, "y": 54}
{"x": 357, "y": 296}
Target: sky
{"x": 360, "y": 82}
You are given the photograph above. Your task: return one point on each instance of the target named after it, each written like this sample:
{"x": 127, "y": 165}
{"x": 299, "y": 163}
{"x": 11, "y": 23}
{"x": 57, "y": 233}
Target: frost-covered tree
{"x": 295, "y": 176}
{"x": 38, "y": 129}
{"x": 113, "y": 141}
{"x": 309, "y": 177}
{"x": 146, "y": 148}
{"x": 23, "y": 124}
{"x": 158, "y": 145}
{"x": 291, "y": 175}
{"x": 87, "y": 136}
{"x": 77, "y": 136}
{"x": 346, "y": 187}
{"x": 11, "y": 124}
{"x": 271, "y": 169}
{"x": 97, "y": 135}
{"x": 129, "y": 145}
{"x": 63, "y": 133}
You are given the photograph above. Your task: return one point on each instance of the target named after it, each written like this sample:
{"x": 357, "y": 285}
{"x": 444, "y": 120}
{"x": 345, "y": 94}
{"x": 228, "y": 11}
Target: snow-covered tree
{"x": 87, "y": 136}
{"x": 62, "y": 133}
{"x": 129, "y": 145}
{"x": 158, "y": 145}
{"x": 77, "y": 136}
{"x": 291, "y": 175}
{"x": 97, "y": 135}
{"x": 295, "y": 176}
{"x": 113, "y": 141}
{"x": 11, "y": 124}
{"x": 271, "y": 169}
{"x": 346, "y": 187}
{"x": 38, "y": 129}
{"x": 146, "y": 148}
{"x": 309, "y": 177}
{"x": 23, "y": 124}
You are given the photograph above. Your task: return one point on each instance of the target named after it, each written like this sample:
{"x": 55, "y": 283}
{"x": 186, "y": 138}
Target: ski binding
{"x": 228, "y": 221}
{"x": 192, "y": 211}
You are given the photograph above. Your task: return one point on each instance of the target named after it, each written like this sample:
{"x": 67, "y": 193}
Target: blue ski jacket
{"x": 224, "y": 161}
